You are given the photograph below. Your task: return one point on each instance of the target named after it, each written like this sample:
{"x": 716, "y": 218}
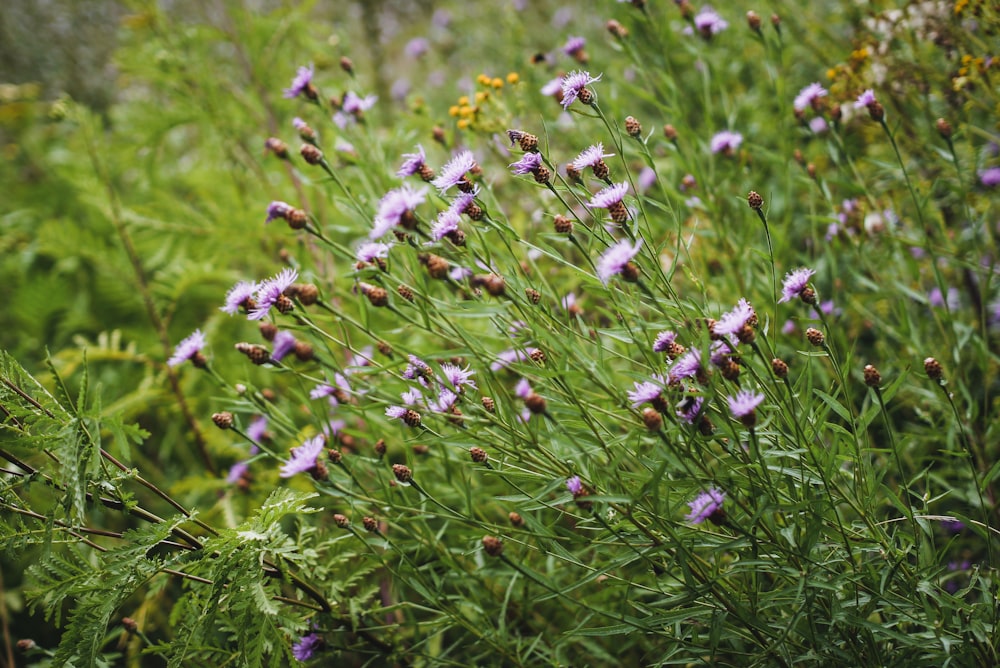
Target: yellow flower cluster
{"x": 960, "y": 5}
{"x": 467, "y": 110}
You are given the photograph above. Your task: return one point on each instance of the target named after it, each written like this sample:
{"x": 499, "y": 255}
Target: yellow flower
{"x": 497, "y": 83}
{"x": 481, "y": 96}
{"x": 513, "y": 78}
{"x": 483, "y": 80}
{"x": 464, "y": 100}
{"x": 960, "y": 5}
{"x": 464, "y": 123}
{"x": 453, "y": 110}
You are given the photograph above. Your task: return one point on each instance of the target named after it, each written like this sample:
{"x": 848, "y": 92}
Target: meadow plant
{"x": 473, "y": 418}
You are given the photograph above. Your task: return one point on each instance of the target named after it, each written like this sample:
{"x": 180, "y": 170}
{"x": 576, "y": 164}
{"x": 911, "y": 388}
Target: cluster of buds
{"x": 493, "y": 546}
{"x": 562, "y": 225}
{"x": 402, "y": 472}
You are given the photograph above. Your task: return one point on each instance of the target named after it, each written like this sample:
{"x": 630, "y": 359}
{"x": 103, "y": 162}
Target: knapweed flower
{"x": 574, "y": 485}
{"x": 453, "y": 173}
{"x": 407, "y": 416}
{"x": 528, "y": 164}
{"x": 272, "y": 293}
{"x": 284, "y": 343}
{"x": 508, "y": 357}
{"x": 277, "y": 209}
{"x": 466, "y": 203}
{"x": 396, "y": 208}
{"x": 370, "y": 251}
{"x": 417, "y": 368}
{"x": 239, "y": 295}
{"x": 189, "y": 349}
{"x": 732, "y": 323}
{"x": 726, "y": 142}
{"x": 352, "y": 107}
{"x": 238, "y": 470}
{"x": 743, "y": 405}
{"x": 617, "y": 259}
{"x": 415, "y": 163}
{"x": 808, "y": 96}
{"x": 416, "y": 47}
{"x": 574, "y": 86}
{"x": 458, "y": 377}
{"x": 610, "y": 198}
{"x": 303, "y": 457}
{"x": 864, "y": 100}
{"x": 574, "y": 47}
{"x": 795, "y": 283}
{"x": 708, "y": 22}
{"x": 445, "y": 225}
{"x": 593, "y": 157}
{"x": 706, "y": 506}
{"x": 686, "y": 366}
{"x": 306, "y": 647}
{"x": 990, "y": 178}
{"x": 552, "y": 88}
{"x": 689, "y": 408}
{"x": 302, "y": 84}
{"x": 444, "y": 402}
{"x": 646, "y": 392}
{"x": 664, "y": 341}
{"x": 818, "y": 125}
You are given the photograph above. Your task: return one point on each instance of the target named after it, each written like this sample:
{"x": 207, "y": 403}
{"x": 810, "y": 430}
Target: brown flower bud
{"x": 779, "y": 367}
{"x": 537, "y": 356}
{"x": 815, "y": 337}
{"x": 385, "y": 348}
{"x": 319, "y": 471}
{"x": 421, "y": 449}
{"x": 633, "y": 127}
{"x": 284, "y": 304}
{"x": 670, "y": 132}
{"x": 705, "y": 426}
{"x": 411, "y": 418}
{"x": 730, "y": 370}
{"x": 495, "y": 285}
{"x": 586, "y": 96}
{"x": 223, "y": 420}
{"x": 402, "y": 472}
{"x": 876, "y": 111}
{"x": 534, "y": 296}
{"x": 347, "y": 64}
{"x": 26, "y": 644}
{"x": 528, "y": 142}
{"x": 377, "y": 296}
{"x": 405, "y": 291}
{"x": 573, "y": 174}
{"x": 489, "y": 404}
{"x": 872, "y": 377}
{"x": 753, "y": 20}
{"x": 341, "y": 520}
{"x": 268, "y": 330}
{"x": 944, "y": 128}
{"x": 562, "y": 224}
{"x": 297, "y": 219}
{"x": 478, "y": 455}
{"x": 370, "y": 524}
{"x": 617, "y": 29}
{"x": 754, "y": 200}
{"x": 515, "y": 519}
{"x": 304, "y": 351}
{"x": 438, "y": 134}
{"x": 380, "y": 447}
{"x": 130, "y": 624}
{"x": 493, "y": 546}
{"x": 277, "y": 147}
{"x": 776, "y": 21}
{"x": 934, "y": 369}
{"x": 256, "y": 354}
{"x": 311, "y": 154}
{"x": 307, "y": 294}
{"x": 652, "y": 419}
{"x": 535, "y": 403}
{"x": 808, "y": 296}
{"x": 799, "y": 158}
{"x": 630, "y": 272}
{"x": 437, "y": 266}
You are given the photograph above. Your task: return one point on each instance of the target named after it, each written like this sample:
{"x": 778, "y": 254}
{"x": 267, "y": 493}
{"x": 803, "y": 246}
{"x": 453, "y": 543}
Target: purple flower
{"x": 952, "y": 525}
{"x": 719, "y": 350}
{"x": 818, "y": 125}
{"x": 664, "y": 340}
{"x": 795, "y": 282}
{"x": 523, "y": 389}
{"x": 370, "y": 250}
{"x": 709, "y": 23}
{"x": 353, "y": 104}
{"x": 446, "y": 399}
{"x": 590, "y": 156}
{"x": 270, "y": 291}
{"x": 412, "y": 397}
{"x": 236, "y": 472}
{"x": 990, "y": 177}
{"x": 553, "y": 87}
{"x": 865, "y": 99}
{"x": 807, "y": 96}
{"x": 938, "y": 300}
{"x": 446, "y": 223}
{"x": 508, "y": 357}
{"x": 735, "y": 320}
{"x": 705, "y": 505}
{"x": 726, "y": 142}
{"x": 278, "y": 209}
{"x": 574, "y": 45}
{"x": 416, "y": 368}
{"x": 256, "y": 431}
{"x": 394, "y": 206}
{"x": 686, "y": 366}
{"x": 458, "y": 377}
{"x": 458, "y": 274}
{"x": 574, "y": 485}
{"x": 187, "y": 349}
{"x": 644, "y": 392}
{"x": 609, "y": 197}
{"x": 744, "y": 403}
{"x": 453, "y": 173}
{"x": 412, "y": 163}
{"x": 238, "y": 296}
{"x": 463, "y": 200}
{"x": 646, "y": 179}
{"x": 573, "y": 86}
{"x": 302, "y": 82}
{"x": 303, "y": 457}
{"x": 568, "y": 301}
{"x": 299, "y": 124}
{"x": 306, "y": 647}
{"x": 416, "y": 47}
{"x": 688, "y": 408}
{"x": 284, "y": 343}
{"x": 528, "y": 164}
{"x": 616, "y": 258}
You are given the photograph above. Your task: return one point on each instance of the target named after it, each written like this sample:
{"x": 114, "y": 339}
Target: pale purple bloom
{"x": 301, "y": 82}
{"x": 574, "y": 485}
{"x": 412, "y": 397}
{"x": 646, "y": 179}
{"x": 508, "y": 357}
{"x": 370, "y": 250}
{"x": 445, "y": 400}
{"x": 952, "y": 525}
{"x": 458, "y": 274}
{"x": 412, "y": 163}
{"x": 256, "y": 429}
{"x": 807, "y": 95}
{"x": 726, "y": 142}
{"x": 463, "y": 200}
{"x": 453, "y": 173}
{"x": 686, "y": 366}
{"x": 552, "y": 87}
{"x": 528, "y": 164}
{"x": 568, "y": 301}
{"x": 284, "y": 343}
{"x": 277, "y": 209}
{"x": 615, "y": 258}
{"x": 333, "y": 427}
{"x": 865, "y": 99}
{"x": 457, "y": 376}
{"x": 609, "y": 197}
{"x": 446, "y": 223}
{"x": 990, "y": 177}
{"x": 938, "y": 300}
{"x": 708, "y": 22}
{"x": 719, "y": 351}
{"x": 522, "y": 389}
{"x": 705, "y": 505}
{"x": 299, "y": 124}
{"x": 353, "y": 104}
{"x": 795, "y": 282}
{"x": 303, "y": 457}
{"x": 306, "y": 647}
{"x": 644, "y": 392}
{"x": 590, "y": 156}
{"x": 416, "y": 47}
{"x": 360, "y": 359}
{"x": 694, "y": 202}
{"x": 321, "y": 390}
{"x": 393, "y": 206}
{"x": 664, "y": 340}
{"x": 187, "y": 348}
{"x": 416, "y": 368}
{"x": 573, "y": 83}
{"x": 744, "y": 403}
{"x": 688, "y": 408}
{"x": 573, "y": 45}
{"x": 735, "y": 320}
{"x": 400, "y": 89}
{"x": 238, "y": 295}
{"x": 788, "y": 327}
{"x": 236, "y": 472}
{"x": 396, "y": 412}
{"x": 270, "y": 291}
{"x": 818, "y": 125}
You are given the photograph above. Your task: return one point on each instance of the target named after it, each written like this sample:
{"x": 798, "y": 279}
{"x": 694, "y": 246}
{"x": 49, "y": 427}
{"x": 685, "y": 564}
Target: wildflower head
{"x": 529, "y": 164}
{"x": 610, "y": 198}
{"x": 574, "y": 86}
{"x": 402, "y": 472}
{"x": 990, "y": 178}
{"x": 809, "y": 96}
{"x": 574, "y": 48}
{"x": 933, "y": 369}
{"x": 415, "y": 163}
{"x": 454, "y": 173}
{"x": 743, "y": 406}
{"x": 304, "y": 457}
{"x": 726, "y": 142}
{"x": 396, "y": 209}
{"x": 872, "y": 376}
{"x": 664, "y": 340}
{"x": 650, "y": 392}
{"x": 708, "y": 22}
{"x": 867, "y": 101}
{"x": 189, "y": 349}
{"x": 687, "y": 365}
{"x": 815, "y": 337}
{"x": 795, "y": 285}
{"x": 306, "y": 646}
{"x": 574, "y": 485}
{"x": 707, "y": 506}
{"x": 618, "y": 260}
{"x": 493, "y": 546}
{"x": 593, "y": 157}
{"x": 737, "y": 322}
{"x": 302, "y": 84}
{"x": 754, "y": 200}
{"x": 240, "y": 295}
{"x": 689, "y": 408}
{"x": 284, "y": 343}
{"x": 272, "y": 293}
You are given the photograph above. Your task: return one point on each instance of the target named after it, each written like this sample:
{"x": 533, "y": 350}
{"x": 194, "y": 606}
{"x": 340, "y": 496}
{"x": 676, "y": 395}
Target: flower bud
{"x": 311, "y": 154}
{"x": 402, "y": 472}
{"x": 779, "y": 367}
{"x": 223, "y": 420}
{"x": 478, "y": 455}
{"x": 815, "y": 337}
{"x": 370, "y": 523}
{"x": 489, "y": 404}
{"x": 493, "y": 546}
{"x": 753, "y": 20}
{"x": 933, "y": 369}
{"x": 754, "y": 200}
{"x": 652, "y": 419}
{"x": 515, "y": 519}
{"x": 633, "y": 127}
{"x": 872, "y": 377}
{"x": 341, "y": 520}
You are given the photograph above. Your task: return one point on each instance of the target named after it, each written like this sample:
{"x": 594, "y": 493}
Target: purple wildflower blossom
{"x": 395, "y": 412}
{"x": 939, "y": 300}
{"x": 303, "y": 457}
{"x": 257, "y": 428}
{"x": 187, "y": 348}
{"x": 644, "y": 392}
{"x": 528, "y": 164}
{"x": 664, "y": 340}
{"x": 508, "y": 357}
{"x": 459, "y": 274}
{"x": 735, "y": 320}
{"x": 416, "y": 368}
{"x": 572, "y": 85}
{"x": 646, "y": 179}
{"x": 299, "y": 124}
{"x": 354, "y": 104}
{"x": 393, "y": 206}
{"x": 445, "y": 400}
{"x": 865, "y": 99}
{"x": 574, "y": 45}
{"x": 708, "y": 22}
{"x": 284, "y": 343}
{"x": 454, "y": 171}
{"x": 807, "y": 96}
{"x": 416, "y": 47}
{"x": 236, "y": 472}
{"x": 686, "y": 366}
{"x": 523, "y": 389}
{"x": 553, "y": 87}
{"x": 590, "y": 156}
{"x": 688, "y": 408}
{"x": 457, "y": 376}
{"x": 744, "y": 403}
{"x": 705, "y": 505}
{"x": 370, "y": 250}
{"x": 446, "y": 223}
{"x": 574, "y": 485}
{"x": 568, "y": 301}
{"x": 726, "y": 142}
{"x": 270, "y": 290}
{"x": 277, "y": 209}
{"x": 609, "y": 197}
{"x": 238, "y": 295}
{"x": 990, "y": 178}
{"x": 718, "y": 352}
{"x": 412, "y": 163}
{"x": 615, "y": 258}
{"x": 301, "y": 83}
{"x": 818, "y": 125}
{"x": 306, "y": 647}
{"x": 412, "y": 397}
{"x": 795, "y": 282}
{"x": 463, "y": 200}
{"x": 952, "y": 525}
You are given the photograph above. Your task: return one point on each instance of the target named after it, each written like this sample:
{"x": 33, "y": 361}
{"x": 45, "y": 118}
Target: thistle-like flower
{"x": 809, "y": 96}
{"x": 726, "y": 142}
{"x": 795, "y": 284}
{"x": 302, "y": 84}
{"x": 272, "y": 293}
{"x": 707, "y": 506}
{"x": 617, "y": 260}
{"x": 304, "y": 457}
{"x": 574, "y": 86}
{"x": 189, "y": 349}
{"x": 454, "y": 173}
